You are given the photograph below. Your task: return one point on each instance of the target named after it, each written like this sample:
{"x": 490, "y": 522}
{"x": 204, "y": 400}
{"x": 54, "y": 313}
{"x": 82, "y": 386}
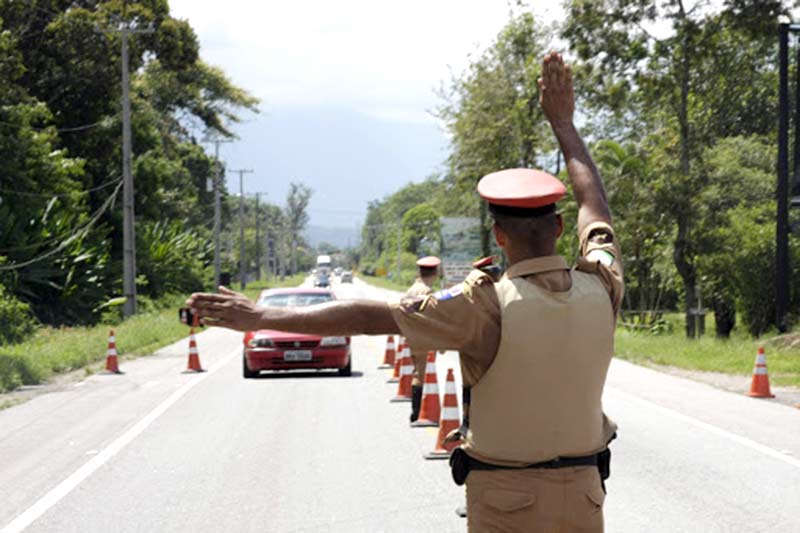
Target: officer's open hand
{"x": 228, "y": 309}
{"x": 556, "y": 91}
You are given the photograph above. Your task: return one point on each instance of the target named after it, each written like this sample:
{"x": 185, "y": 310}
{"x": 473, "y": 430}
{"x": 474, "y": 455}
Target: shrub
{"x": 16, "y": 320}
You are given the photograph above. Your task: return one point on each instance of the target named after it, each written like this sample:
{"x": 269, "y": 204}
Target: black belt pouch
{"x": 459, "y": 466}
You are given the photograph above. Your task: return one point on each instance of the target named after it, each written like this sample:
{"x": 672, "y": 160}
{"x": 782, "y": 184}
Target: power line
{"x": 106, "y": 121}
{"x": 61, "y": 195}
{"x": 80, "y": 233}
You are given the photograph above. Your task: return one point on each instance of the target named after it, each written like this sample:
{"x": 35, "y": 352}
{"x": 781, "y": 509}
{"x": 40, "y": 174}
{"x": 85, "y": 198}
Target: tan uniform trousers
{"x": 420, "y": 360}
{"x": 563, "y": 500}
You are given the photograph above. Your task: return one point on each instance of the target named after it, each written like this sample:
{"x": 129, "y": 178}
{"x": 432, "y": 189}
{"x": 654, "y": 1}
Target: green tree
{"x": 675, "y": 84}
{"x": 421, "y": 230}
{"x": 492, "y": 112}
{"x": 296, "y": 213}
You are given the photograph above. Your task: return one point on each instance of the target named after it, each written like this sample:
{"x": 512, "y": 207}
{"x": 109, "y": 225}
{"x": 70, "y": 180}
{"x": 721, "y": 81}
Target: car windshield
{"x": 294, "y": 299}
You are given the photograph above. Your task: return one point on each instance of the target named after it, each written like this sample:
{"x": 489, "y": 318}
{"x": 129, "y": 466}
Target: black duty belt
{"x": 461, "y": 464}
{"x": 558, "y": 462}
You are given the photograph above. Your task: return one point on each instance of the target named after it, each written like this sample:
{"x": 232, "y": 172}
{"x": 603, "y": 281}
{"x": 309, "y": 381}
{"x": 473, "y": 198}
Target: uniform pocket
{"x": 596, "y": 497}
{"x": 508, "y": 501}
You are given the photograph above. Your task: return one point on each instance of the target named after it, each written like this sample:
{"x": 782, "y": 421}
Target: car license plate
{"x": 297, "y": 355}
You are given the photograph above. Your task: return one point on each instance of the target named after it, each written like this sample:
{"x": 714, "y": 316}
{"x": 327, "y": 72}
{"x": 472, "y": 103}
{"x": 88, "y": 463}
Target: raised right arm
{"x": 557, "y": 97}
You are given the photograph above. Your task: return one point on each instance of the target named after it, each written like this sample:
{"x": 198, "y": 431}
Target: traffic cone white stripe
{"x": 760, "y": 371}
{"x": 112, "y": 351}
{"x": 112, "y": 339}
{"x": 450, "y": 413}
{"x": 430, "y": 388}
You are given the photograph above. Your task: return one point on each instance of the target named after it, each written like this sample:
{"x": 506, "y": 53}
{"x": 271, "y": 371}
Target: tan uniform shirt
{"x": 467, "y": 317}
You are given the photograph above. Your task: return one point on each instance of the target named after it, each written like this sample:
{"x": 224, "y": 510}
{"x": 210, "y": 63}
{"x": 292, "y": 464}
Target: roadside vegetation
{"x": 734, "y": 355}
{"x": 50, "y": 351}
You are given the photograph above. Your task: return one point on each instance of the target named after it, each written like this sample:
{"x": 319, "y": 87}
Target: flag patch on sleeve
{"x": 447, "y": 294}
{"x": 602, "y": 256}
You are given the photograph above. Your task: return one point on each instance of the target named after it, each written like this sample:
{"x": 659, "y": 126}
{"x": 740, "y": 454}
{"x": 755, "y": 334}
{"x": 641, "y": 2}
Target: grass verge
{"x": 53, "y": 351}
{"x": 731, "y": 356}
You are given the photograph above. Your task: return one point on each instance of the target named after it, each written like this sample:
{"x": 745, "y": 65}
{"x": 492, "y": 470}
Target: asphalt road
{"x": 159, "y": 450}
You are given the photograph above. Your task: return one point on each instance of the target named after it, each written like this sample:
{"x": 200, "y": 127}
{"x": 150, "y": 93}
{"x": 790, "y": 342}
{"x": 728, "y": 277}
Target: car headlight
{"x": 333, "y": 341}
{"x": 260, "y": 342}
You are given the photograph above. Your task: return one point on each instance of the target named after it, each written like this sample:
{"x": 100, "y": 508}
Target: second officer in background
{"x": 428, "y": 273}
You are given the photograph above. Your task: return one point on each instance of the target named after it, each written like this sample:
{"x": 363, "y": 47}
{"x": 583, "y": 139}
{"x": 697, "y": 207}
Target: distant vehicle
{"x": 267, "y": 349}
{"x": 347, "y": 277}
{"x": 337, "y": 271}
{"x": 324, "y": 263}
{"x": 322, "y": 280}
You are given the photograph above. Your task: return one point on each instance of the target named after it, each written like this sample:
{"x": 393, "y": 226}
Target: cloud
{"x": 359, "y": 54}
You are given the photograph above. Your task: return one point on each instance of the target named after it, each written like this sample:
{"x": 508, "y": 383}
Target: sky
{"x": 346, "y": 88}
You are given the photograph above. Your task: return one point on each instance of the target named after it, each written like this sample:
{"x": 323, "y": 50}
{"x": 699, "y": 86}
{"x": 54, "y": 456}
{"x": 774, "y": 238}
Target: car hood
{"x": 281, "y": 335}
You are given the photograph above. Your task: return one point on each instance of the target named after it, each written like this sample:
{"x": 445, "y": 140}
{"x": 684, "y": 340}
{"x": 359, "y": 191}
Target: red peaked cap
{"x": 484, "y": 262}
{"x": 430, "y": 261}
{"x": 521, "y": 187}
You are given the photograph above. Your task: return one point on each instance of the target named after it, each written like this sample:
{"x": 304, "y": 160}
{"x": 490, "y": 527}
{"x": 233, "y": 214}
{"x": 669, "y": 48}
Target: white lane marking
{"x": 65, "y": 487}
{"x": 744, "y": 441}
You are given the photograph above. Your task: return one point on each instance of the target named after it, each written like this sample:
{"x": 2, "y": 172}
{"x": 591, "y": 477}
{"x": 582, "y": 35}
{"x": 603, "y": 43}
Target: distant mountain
{"x": 341, "y": 237}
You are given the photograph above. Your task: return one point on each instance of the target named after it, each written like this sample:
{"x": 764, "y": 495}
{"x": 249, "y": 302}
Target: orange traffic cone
{"x": 449, "y": 421}
{"x": 111, "y": 355}
{"x": 388, "y": 356}
{"x": 431, "y": 409}
{"x": 406, "y": 377}
{"x": 401, "y": 348}
{"x": 759, "y": 387}
{"x": 194, "y": 357}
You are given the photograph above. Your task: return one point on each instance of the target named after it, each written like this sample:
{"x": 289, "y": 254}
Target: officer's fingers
{"x": 568, "y": 74}
{"x": 203, "y": 306}
{"x": 559, "y": 70}
{"x": 219, "y": 323}
{"x": 227, "y": 292}
{"x": 204, "y": 297}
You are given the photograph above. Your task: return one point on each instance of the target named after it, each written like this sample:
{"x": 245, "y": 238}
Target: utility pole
{"x": 217, "y": 182}
{"x": 126, "y": 29}
{"x": 782, "y": 189}
{"x": 241, "y": 173}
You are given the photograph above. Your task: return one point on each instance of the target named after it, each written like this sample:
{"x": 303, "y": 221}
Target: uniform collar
{"x": 537, "y": 265}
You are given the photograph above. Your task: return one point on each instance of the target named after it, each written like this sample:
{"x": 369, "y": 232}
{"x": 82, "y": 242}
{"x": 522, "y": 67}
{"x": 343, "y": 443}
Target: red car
{"x": 267, "y": 349}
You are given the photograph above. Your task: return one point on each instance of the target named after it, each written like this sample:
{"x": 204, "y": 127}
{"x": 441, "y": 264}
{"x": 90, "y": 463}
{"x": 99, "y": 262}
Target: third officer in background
{"x": 428, "y": 273}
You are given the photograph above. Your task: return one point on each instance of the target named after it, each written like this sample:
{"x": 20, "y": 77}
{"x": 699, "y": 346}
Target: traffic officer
{"x": 535, "y": 346}
{"x": 487, "y": 265}
{"x": 428, "y": 272}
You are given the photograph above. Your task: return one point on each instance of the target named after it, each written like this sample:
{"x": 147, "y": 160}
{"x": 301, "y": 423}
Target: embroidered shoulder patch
{"x": 411, "y": 304}
{"x": 602, "y": 256}
{"x": 447, "y": 294}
